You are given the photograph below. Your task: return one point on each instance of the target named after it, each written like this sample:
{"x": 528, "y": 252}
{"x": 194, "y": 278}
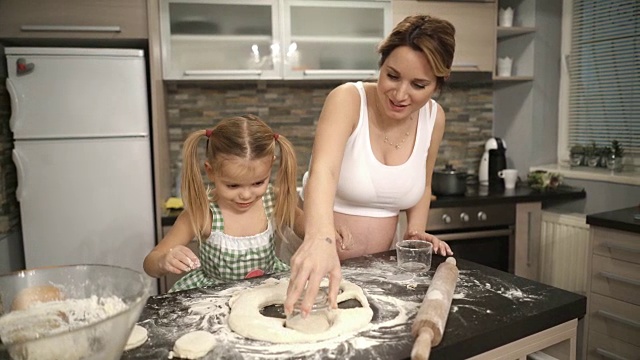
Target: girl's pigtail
{"x": 285, "y": 185}
{"x": 194, "y": 194}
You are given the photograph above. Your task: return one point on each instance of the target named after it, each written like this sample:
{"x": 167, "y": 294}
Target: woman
{"x": 375, "y": 149}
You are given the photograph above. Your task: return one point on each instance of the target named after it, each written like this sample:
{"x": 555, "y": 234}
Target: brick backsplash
{"x": 292, "y": 108}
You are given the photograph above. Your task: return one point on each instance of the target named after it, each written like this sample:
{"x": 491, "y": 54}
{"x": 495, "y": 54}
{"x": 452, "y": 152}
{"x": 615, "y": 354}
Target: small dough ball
{"x": 194, "y": 345}
{"x": 312, "y": 324}
{"x": 137, "y": 337}
{"x": 35, "y": 294}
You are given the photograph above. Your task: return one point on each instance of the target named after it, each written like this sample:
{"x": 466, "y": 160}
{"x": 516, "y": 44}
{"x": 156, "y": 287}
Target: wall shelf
{"x": 513, "y": 78}
{"x": 503, "y": 31}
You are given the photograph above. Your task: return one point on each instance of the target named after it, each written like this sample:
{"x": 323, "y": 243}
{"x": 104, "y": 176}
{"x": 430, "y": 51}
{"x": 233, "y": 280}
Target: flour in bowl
{"x": 45, "y": 330}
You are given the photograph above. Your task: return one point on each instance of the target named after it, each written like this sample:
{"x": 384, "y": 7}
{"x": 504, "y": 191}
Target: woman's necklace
{"x": 399, "y": 144}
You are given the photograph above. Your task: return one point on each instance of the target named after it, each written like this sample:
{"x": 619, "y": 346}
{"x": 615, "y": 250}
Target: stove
{"x": 483, "y": 234}
{"x": 471, "y": 217}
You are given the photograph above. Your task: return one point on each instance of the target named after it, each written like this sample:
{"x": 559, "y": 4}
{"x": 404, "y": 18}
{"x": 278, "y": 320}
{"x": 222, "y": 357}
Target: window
{"x": 600, "y": 86}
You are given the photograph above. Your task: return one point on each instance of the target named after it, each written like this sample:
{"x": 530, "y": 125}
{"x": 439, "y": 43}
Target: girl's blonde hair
{"x": 432, "y": 36}
{"x": 245, "y": 137}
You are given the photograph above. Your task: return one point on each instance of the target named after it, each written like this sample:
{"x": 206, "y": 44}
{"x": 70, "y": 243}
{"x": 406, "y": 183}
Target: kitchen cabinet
{"x": 516, "y": 42}
{"x": 475, "y": 29}
{"x": 272, "y": 39}
{"x": 527, "y": 240}
{"x": 81, "y": 19}
{"x": 613, "y": 310}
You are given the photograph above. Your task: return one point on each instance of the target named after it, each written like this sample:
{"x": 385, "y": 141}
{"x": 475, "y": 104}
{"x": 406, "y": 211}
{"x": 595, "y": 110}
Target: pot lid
{"x": 449, "y": 169}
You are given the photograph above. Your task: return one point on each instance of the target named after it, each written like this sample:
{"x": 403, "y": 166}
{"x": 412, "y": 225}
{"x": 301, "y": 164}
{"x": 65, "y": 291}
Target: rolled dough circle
{"x": 194, "y": 345}
{"x": 245, "y": 317}
{"x": 137, "y": 337}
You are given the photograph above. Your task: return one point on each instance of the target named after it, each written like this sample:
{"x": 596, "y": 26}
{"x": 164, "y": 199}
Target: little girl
{"x": 235, "y": 220}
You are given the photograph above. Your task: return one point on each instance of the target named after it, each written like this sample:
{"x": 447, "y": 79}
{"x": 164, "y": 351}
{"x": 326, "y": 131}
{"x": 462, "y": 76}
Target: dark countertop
{"x": 490, "y": 309}
{"x": 483, "y": 195}
{"x": 627, "y": 219}
{"x": 476, "y": 195}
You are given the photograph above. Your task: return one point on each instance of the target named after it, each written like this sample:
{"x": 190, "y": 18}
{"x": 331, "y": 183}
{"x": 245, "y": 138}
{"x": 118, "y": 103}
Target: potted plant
{"x": 606, "y": 150}
{"x": 592, "y": 155}
{"x": 614, "y": 160}
{"x": 577, "y": 155}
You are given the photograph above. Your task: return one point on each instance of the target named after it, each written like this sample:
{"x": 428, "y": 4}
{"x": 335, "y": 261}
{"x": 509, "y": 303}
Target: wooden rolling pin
{"x": 429, "y": 324}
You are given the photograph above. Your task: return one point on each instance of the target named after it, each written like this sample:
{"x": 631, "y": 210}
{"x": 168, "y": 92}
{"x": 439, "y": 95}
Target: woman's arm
{"x": 417, "y": 215}
{"x": 172, "y": 255}
{"x": 317, "y": 256}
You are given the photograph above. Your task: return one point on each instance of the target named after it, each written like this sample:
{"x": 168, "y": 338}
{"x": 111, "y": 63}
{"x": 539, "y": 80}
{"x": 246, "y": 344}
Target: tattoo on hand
{"x": 328, "y": 240}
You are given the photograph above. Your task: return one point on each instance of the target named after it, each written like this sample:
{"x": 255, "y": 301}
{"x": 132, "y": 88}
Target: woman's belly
{"x": 369, "y": 234}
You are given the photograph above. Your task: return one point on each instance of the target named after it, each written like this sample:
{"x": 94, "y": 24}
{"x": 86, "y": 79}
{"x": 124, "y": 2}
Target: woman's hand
{"x": 314, "y": 259}
{"x": 178, "y": 260}
{"x": 439, "y": 246}
{"x": 344, "y": 238}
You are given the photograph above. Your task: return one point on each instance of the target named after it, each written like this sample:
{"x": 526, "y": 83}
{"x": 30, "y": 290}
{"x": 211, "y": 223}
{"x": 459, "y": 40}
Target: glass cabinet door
{"x": 333, "y": 39}
{"x": 220, "y": 39}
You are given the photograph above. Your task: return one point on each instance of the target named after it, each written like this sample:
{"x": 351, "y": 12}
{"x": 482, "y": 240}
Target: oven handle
{"x": 474, "y": 234}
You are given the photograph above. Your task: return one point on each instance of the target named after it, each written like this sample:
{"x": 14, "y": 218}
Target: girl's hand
{"x": 178, "y": 260}
{"x": 314, "y": 259}
{"x": 439, "y": 246}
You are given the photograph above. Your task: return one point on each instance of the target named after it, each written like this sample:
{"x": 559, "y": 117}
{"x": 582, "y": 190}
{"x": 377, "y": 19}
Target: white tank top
{"x": 368, "y": 187}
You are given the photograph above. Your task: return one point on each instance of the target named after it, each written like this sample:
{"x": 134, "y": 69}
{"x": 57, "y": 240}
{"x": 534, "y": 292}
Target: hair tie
{"x": 276, "y": 136}
{"x": 208, "y": 133}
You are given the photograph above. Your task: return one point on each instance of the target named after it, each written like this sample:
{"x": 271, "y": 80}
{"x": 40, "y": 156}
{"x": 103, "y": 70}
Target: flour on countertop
{"x": 210, "y": 311}
{"x": 394, "y": 295}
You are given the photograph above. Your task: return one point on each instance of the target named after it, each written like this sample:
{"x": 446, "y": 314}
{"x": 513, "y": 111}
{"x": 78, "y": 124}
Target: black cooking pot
{"x": 449, "y": 181}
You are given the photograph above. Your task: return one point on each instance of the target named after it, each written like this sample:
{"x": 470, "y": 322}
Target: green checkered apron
{"x": 225, "y": 258}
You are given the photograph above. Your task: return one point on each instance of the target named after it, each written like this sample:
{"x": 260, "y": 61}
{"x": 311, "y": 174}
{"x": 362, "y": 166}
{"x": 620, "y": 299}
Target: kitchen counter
{"x": 483, "y": 195}
{"x": 475, "y": 195}
{"x": 627, "y": 219}
{"x": 490, "y": 309}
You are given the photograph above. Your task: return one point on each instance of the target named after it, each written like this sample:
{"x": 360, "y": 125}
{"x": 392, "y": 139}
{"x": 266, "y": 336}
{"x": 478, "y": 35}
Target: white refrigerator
{"x": 82, "y": 150}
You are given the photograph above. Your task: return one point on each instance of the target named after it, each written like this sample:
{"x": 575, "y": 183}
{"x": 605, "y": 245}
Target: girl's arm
{"x": 318, "y": 256}
{"x": 172, "y": 255}
{"x": 417, "y": 215}
{"x": 298, "y": 227}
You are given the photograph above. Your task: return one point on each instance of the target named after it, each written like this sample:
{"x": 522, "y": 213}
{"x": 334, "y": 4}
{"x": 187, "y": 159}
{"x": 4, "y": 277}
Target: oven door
{"x": 489, "y": 247}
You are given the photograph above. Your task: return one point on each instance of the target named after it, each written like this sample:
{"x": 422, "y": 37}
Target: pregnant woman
{"x": 373, "y": 155}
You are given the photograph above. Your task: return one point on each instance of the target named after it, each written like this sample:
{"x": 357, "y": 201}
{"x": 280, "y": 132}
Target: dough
{"x": 313, "y": 323}
{"x": 194, "y": 345}
{"x": 137, "y": 337}
{"x": 35, "y": 294}
{"x": 246, "y": 320}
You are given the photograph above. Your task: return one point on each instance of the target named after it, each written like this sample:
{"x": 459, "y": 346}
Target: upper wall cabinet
{"x": 272, "y": 39}
{"x": 78, "y": 19}
{"x": 475, "y": 29}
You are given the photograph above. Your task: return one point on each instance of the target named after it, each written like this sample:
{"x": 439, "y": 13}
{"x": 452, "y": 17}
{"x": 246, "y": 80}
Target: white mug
{"x": 510, "y": 177}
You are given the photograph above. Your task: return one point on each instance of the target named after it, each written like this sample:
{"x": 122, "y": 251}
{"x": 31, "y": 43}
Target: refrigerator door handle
{"x": 15, "y": 109}
{"x": 20, "y": 171}
{"x": 72, "y": 28}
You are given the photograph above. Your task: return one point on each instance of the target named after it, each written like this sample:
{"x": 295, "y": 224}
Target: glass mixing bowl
{"x": 39, "y": 335}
